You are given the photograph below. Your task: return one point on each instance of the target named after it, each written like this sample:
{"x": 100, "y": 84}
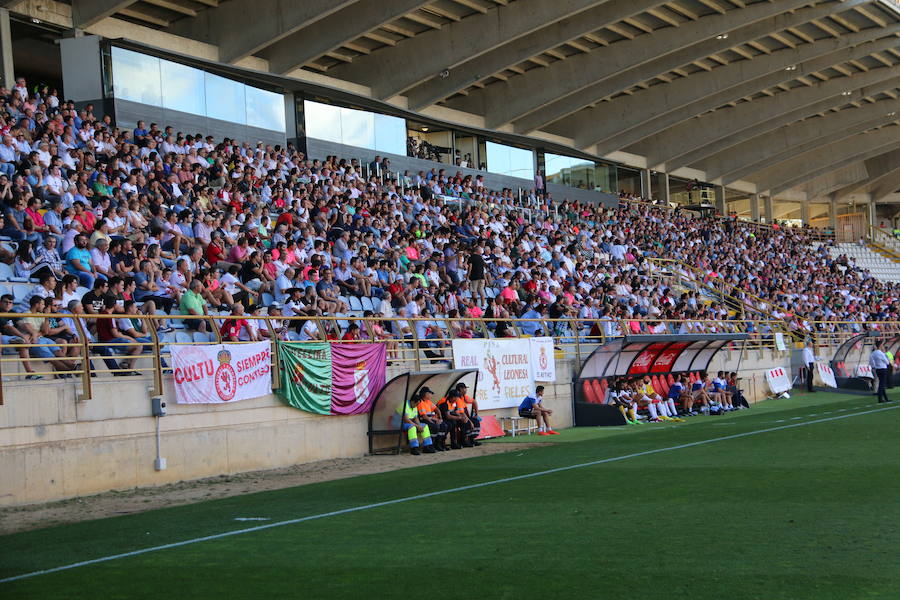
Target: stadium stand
{"x": 181, "y": 224}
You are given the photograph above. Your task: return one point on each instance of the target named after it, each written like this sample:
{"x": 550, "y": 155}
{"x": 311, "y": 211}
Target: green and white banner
{"x": 306, "y": 376}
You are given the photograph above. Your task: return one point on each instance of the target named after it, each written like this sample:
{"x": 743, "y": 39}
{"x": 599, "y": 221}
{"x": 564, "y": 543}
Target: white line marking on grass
{"x": 252, "y": 519}
{"x": 474, "y": 486}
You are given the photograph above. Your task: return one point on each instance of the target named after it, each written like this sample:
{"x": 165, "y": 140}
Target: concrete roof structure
{"x": 765, "y": 96}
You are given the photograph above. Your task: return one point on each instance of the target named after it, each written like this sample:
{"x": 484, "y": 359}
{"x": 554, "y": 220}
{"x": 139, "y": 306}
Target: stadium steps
{"x": 881, "y": 267}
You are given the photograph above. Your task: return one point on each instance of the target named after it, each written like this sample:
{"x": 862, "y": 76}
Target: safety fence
{"x": 65, "y": 346}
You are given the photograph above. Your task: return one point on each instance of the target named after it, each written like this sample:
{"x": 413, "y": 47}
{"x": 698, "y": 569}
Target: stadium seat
{"x": 598, "y": 391}
{"x": 6, "y": 272}
{"x": 368, "y": 303}
{"x": 658, "y": 386}
{"x": 604, "y": 385}
{"x": 588, "y": 392}
{"x": 202, "y": 337}
{"x": 19, "y": 290}
{"x": 355, "y": 304}
{"x": 267, "y": 299}
{"x": 183, "y": 337}
{"x": 670, "y": 379}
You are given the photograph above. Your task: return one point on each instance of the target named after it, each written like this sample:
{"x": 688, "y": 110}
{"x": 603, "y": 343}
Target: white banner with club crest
{"x": 507, "y": 369}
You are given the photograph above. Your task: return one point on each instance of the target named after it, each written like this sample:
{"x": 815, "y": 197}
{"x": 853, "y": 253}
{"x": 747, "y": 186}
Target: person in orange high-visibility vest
{"x": 430, "y": 415}
{"x": 453, "y": 411}
{"x": 471, "y": 411}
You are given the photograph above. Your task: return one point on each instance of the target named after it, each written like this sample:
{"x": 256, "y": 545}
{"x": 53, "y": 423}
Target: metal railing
{"x": 82, "y": 358}
{"x": 728, "y": 292}
{"x": 885, "y": 242}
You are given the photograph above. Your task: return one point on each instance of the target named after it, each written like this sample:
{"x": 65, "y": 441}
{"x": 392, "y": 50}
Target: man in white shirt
{"x": 879, "y": 363}
{"x": 809, "y": 360}
{"x": 283, "y": 283}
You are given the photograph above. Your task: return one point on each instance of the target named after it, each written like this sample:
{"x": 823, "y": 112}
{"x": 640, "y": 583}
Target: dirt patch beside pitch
{"x": 112, "y": 504}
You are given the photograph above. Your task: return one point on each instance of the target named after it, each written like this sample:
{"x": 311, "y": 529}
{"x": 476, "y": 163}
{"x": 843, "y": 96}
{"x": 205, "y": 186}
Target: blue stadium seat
{"x": 6, "y": 272}
{"x": 355, "y": 304}
{"x": 202, "y": 337}
{"x": 19, "y": 290}
{"x": 183, "y": 337}
{"x": 267, "y": 299}
{"x": 368, "y": 303}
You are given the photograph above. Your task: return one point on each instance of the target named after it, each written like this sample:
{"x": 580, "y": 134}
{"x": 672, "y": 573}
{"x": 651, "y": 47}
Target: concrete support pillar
{"x": 769, "y": 209}
{"x": 873, "y": 219}
{"x": 663, "y": 184}
{"x": 7, "y": 76}
{"x": 754, "y": 208}
{"x": 646, "y": 187}
{"x": 833, "y": 213}
{"x": 804, "y": 212}
{"x": 720, "y": 200}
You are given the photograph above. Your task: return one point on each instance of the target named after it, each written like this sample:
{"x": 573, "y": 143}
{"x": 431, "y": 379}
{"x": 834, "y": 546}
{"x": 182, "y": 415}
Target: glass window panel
{"x": 358, "y": 128}
{"x": 582, "y": 174}
{"x": 265, "y": 109}
{"x": 183, "y": 88}
{"x": 521, "y": 163}
{"x": 136, "y": 77}
{"x": 390, "y": 134}
{"x": 323, "y": 121}
{"x": 556, "y": 168}
{"x": 497, "y": 158}
{"x": 225, "y": 99}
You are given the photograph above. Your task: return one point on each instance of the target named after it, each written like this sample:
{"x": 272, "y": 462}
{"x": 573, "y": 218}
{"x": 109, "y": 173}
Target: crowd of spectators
{"x": 150, "y": 219}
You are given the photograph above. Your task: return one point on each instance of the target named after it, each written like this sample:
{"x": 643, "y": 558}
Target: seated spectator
{"x": 352, "y": 334}
{"x": 78, "y": 262}
{"x": 193, "y": 304}
{"x": 116, "y": 340}
{"x": 232, "y": 329}
{"x": 11, "y": 333}
{"x": 37, "y": 329}
{"x": 133, "y": 327}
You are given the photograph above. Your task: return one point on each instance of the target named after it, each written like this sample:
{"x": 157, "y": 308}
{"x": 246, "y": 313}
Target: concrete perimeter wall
{"x": 53, "y": 446}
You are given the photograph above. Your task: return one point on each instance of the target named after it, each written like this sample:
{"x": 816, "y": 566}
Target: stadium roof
{"x": 795, "y": 97}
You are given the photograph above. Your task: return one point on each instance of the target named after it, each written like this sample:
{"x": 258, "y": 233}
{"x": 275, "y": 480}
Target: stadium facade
{"x": 773, "y": 110}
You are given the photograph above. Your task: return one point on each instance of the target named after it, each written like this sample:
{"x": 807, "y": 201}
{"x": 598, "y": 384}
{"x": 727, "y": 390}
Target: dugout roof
{"x": 654, "y": 354}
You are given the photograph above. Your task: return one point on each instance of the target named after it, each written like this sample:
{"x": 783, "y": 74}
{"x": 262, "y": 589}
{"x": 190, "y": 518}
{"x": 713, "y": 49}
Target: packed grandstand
{"x": 156, "y": 221}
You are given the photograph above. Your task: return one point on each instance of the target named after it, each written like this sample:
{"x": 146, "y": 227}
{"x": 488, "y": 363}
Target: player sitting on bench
{"x": 531, "y": 408}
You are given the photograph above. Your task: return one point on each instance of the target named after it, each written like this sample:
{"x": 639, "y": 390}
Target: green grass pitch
{"x": 810, "y": 511}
